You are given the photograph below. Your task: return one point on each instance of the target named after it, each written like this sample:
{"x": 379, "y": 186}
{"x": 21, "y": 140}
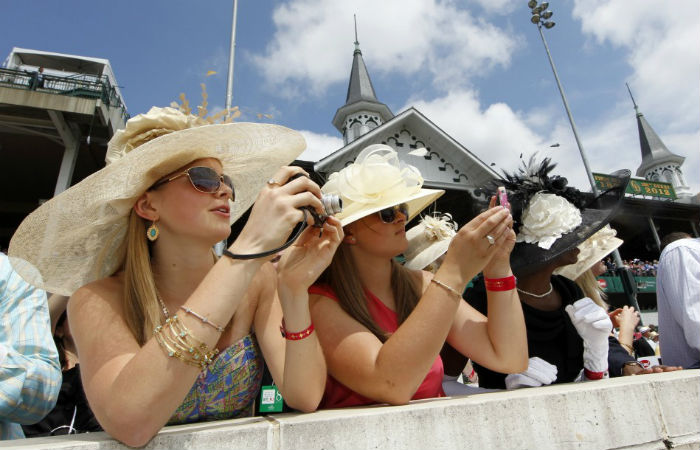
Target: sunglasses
{"x": 203, "y": 179}
{"x": 388, "y": 215}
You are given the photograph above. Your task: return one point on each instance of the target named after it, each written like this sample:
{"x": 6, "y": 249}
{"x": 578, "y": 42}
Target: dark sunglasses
{"x": 388, "y": 215}
{"x": 203, "y": 179}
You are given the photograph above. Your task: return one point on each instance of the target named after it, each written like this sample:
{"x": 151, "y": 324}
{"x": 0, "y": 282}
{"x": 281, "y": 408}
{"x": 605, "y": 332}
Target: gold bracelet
{"x": 628, "y": 348}
{"x": 450, "y": 289}
{"x": 178, "y": 342}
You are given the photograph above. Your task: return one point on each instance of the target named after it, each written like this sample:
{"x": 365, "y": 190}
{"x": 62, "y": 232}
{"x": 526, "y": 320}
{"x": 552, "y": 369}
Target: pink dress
{"x": 337, "y": 395}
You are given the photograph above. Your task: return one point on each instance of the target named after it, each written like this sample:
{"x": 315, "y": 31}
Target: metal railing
{"x": 79, "y": 85}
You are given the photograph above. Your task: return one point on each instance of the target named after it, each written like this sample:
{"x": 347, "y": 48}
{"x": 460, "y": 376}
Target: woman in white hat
{"x": 164, "y": 329}
{"x": 381, "y": 325}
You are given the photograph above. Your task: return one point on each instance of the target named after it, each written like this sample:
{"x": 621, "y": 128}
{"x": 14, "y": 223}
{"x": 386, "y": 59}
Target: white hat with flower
{"x": 78, "y": 236}
{"x": 592, "y": 250}
{"x": 377, "y": 180}
{"x": 429, "y": 240}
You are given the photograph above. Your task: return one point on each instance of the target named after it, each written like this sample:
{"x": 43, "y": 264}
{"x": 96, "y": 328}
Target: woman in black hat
{"x": 567, "y": 333}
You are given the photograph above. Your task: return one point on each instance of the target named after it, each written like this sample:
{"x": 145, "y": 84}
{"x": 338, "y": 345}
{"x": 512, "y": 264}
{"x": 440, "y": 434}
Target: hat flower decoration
{"x": 377, "y": 180}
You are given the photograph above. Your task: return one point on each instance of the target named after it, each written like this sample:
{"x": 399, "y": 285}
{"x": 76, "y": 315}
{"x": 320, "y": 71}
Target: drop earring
{"x": 152, "y": 232}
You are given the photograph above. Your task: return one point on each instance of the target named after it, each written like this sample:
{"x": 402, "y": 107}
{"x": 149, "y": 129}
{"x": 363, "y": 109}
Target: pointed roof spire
{"x": 654, "y": 151}
{"x": 360, "y": 90}
{"x": 360, "y": 87}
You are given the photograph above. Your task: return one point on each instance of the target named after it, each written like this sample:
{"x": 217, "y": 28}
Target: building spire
{"x": 636, "y": 108}
{"x": 658, "y": 162}
{"x": 357, "y": 43}
{"x": 362, "y": 111}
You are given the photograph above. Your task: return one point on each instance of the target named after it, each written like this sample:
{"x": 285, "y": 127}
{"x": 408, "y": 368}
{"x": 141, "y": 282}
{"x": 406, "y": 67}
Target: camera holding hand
{"x": 332, "y": 204}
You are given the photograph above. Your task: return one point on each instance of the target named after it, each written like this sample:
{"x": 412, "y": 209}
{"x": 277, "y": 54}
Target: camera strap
{"x": 301, "y": 227}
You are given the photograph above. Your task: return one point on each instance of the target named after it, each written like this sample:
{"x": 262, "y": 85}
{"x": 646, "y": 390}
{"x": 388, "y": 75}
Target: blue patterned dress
{"x": 227, "y": 388}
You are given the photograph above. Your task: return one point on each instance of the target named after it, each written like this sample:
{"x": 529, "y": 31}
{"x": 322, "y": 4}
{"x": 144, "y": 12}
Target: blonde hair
{"x": 344, "y": 280}
{"x": 590, "y": 287}
{"x": 141, "y": 311}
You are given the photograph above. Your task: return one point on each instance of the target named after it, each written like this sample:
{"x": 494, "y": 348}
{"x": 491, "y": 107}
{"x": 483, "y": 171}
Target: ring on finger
{"x": 490, "y": 239}
{"x": 272, "y": 182}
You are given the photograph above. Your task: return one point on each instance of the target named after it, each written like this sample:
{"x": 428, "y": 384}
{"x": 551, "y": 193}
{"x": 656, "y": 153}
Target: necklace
{"x": 549, "y": 291}
{"x": 162, "y": 305}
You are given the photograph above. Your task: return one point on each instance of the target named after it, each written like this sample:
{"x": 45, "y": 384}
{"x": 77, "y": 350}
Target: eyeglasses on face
{"x": 204, "y": 179}
{"x": 388, "y": 215}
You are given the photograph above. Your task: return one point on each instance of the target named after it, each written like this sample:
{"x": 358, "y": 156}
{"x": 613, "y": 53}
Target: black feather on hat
{"x": 534, "y": 178}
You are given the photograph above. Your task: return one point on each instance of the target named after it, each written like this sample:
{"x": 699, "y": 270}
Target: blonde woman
{"x": 381, "y": 325}
{"x": 165, "y": 332}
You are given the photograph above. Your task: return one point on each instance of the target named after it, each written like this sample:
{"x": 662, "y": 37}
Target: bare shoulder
{"x": 422, "y": 278}
{"x": 99, "y": 297}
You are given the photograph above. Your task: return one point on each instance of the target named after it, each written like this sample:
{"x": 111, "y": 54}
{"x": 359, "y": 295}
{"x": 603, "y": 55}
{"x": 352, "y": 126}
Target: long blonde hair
{"x": 590, "y": 287}
{"x": 343, "y": 278}
{"x": 141, "y": 310}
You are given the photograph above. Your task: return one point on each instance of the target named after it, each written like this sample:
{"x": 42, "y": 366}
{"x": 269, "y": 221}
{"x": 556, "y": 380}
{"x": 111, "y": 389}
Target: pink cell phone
{"x": 503, "y": 197}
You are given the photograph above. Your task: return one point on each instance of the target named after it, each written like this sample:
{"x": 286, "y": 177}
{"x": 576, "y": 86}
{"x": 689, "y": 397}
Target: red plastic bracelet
{"x": 593, "y": 375}
{"x": 500, "y": 284}
{"x": 296, "y": 336}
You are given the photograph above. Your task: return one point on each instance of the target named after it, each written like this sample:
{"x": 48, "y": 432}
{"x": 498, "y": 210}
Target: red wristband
{"x": 296, "y": 336}
{"x": 500, "y": 284}
{"x": 593, "y": 375}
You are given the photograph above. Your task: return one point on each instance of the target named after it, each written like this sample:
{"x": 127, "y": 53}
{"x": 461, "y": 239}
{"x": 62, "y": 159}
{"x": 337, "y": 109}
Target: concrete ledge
{"x": 645, "y": 412}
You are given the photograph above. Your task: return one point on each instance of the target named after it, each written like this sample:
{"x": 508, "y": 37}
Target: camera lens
{"x": 332, "y": 204}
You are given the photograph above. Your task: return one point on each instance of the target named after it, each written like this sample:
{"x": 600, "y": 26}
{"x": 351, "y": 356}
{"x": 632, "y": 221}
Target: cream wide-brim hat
{"x": 592, "y": 250}
{"x": 428, "y": 241}
{"x": 378, "y": 180}
{"x": 78, "y": 236}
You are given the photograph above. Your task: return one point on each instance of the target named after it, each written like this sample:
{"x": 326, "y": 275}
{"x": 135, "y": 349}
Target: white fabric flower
{"x": 546, "y": 219}
{"x": 377, "y": 176}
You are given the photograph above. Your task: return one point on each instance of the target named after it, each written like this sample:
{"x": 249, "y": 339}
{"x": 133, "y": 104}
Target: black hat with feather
{"x": 550, "y": 218}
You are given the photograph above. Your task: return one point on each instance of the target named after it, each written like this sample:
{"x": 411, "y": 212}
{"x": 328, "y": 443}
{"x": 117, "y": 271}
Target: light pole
{"x": 540, "y": 17}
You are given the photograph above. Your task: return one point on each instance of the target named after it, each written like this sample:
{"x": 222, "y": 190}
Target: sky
{"x": 476, "y": 68}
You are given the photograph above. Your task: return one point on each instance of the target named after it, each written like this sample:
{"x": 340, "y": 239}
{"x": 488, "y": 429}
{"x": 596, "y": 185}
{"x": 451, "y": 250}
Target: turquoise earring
{"x": 152, "y": 232}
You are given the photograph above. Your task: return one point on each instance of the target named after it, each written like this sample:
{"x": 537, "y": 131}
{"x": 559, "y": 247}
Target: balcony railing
{"x": 83, "y": 86}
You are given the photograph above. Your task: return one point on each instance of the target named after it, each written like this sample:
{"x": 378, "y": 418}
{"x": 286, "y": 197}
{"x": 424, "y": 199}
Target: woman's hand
{"x": 302, "y": 263}
{"x": 277, "y": 210}
{"x": 499, "y": 266}
{"x": 625, "y": 318}
{"x": 472, "y": 251}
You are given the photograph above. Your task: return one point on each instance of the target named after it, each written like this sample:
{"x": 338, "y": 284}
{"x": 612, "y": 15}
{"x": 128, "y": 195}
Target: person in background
{"x": 567, "y": 332}
{"x": 382, "y": 325}
{"x": 72, "y": 413}
{"x": 678, "y": 300}
{"x": 166, "y": 332}
{"x": 30, "y": 375}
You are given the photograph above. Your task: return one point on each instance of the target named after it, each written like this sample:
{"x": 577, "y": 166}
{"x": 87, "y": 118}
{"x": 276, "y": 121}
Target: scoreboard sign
{"x": 638, "y": 186}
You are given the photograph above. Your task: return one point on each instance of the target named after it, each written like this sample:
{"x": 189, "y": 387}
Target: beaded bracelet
{"x": 500, "y": 284}
{"x": 450, "y": 289}
{"x": 203, "y": 319}
{"x": 296, "y": 336}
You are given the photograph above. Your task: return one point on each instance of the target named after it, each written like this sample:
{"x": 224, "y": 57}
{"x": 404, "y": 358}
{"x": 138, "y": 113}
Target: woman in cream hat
{"x": 381, "y": 325}
{"x": 158, "y": 319}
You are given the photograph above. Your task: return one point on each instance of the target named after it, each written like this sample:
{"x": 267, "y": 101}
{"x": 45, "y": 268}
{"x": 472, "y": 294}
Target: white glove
{"x": 539, "y": 372}
{"x": 594, "y": 326}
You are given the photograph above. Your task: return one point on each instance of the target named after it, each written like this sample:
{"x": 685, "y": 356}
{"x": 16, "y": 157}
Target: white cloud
{"x": 319, "y": 145}
{"x": 312, "y": 43}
